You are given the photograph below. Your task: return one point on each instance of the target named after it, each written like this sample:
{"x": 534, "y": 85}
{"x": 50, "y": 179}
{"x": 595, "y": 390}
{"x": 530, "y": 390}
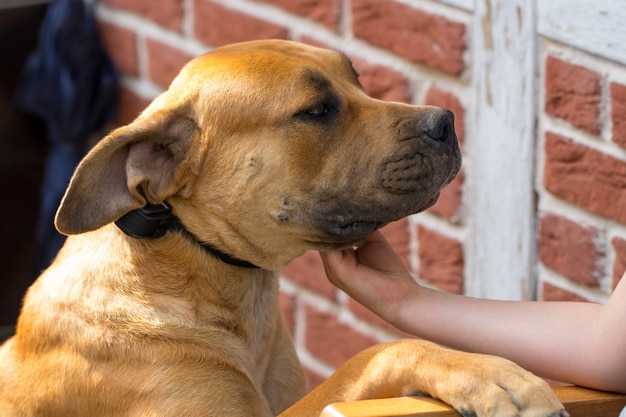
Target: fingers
{"x": 378, "y": 255}
{"x": 346, "y": 262}
{"x": 338, "y": 264}
{"x": 329, "y": 259}
{"x": 374, "y": 259}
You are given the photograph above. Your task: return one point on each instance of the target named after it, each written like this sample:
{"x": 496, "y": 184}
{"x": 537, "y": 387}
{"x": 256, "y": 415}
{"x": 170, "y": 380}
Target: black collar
{"x": 153, "y": 221}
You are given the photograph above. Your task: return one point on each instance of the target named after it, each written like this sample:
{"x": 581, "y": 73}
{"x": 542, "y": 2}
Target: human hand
{"x": 372, "y": 274}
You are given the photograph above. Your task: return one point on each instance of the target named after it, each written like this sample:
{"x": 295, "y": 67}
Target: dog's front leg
{"x": 473, "y": 384}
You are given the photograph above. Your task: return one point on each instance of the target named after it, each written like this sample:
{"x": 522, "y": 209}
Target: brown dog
{"x": 262, "y": 150}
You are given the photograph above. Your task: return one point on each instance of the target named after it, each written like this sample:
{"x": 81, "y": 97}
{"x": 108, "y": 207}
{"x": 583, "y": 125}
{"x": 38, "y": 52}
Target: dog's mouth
{"x": 342, "y": 235}
{"x": 335, "y": 231}
{"x": 355, "y": 229}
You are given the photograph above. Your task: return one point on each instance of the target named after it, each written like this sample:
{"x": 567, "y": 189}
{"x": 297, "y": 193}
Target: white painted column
{"x": 501, "y": 245}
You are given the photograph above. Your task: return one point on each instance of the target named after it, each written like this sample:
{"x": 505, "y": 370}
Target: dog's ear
{"x": 144, "y": 162}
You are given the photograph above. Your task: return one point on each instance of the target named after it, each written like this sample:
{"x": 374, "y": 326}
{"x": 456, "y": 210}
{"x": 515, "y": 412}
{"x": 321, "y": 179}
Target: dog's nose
{"x": 439, "y": 125}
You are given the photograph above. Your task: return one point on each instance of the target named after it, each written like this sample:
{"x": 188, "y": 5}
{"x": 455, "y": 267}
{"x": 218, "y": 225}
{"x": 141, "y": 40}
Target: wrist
{"x": 403, "y": 310}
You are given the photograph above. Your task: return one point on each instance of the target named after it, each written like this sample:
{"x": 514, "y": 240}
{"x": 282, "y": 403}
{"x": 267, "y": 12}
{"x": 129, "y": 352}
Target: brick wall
{"x": 583, "y": 177}
{"x": 418, "y": 52}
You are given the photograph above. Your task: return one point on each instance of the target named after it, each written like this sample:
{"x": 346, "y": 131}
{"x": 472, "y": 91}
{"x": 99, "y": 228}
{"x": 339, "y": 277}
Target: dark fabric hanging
{"x": 71, "y": 84}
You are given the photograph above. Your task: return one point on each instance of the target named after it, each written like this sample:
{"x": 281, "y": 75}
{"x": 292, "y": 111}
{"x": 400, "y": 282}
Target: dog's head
{"x": 266, "y": 149}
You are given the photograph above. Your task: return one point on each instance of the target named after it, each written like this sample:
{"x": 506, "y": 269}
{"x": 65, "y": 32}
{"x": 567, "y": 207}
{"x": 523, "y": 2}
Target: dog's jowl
{"x": 163, "y": 301}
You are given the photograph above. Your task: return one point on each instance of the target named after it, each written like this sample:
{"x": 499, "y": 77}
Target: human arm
{"x": 575, "y": 342}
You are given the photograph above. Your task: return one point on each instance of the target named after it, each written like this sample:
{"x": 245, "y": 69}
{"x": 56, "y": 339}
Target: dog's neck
{"x": 153, "y": 221}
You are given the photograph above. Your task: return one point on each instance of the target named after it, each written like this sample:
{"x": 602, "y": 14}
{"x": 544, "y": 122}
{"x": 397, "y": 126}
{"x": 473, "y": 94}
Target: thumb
{"x": 338, "y": 264}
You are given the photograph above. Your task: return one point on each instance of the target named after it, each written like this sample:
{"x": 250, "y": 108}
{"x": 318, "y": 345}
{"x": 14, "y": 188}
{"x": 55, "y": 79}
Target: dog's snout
{"x": 439, "y": 125}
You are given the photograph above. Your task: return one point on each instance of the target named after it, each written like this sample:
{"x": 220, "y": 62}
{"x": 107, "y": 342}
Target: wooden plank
{"x": 391, "y": 407}
{"x": 579, "y": 402}
{"x": 582, "y": 402}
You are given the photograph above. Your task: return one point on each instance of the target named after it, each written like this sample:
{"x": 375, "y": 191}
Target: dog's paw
{"x": 475, "y": 385}
{"x": 486, "y": 386}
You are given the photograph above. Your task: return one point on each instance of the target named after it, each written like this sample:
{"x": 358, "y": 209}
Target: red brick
{"x": 573, "y": 94}
{"x": 216, "y": 25}
{"x": 314, "y": 42}
{"x": 441, "y": 98}
{"x": 441, "y": 260}
{"x": 330, "y": 340}
{"x": 308, "y": 271}
{"x": 618, "y": 113}
{"x": 121, "y": 45}
{"x": 448, "y": 206}
{"x": 411, "y": 33}
{"x": 619, "y": 265}
{"x": 165, "y": 62}
{"x": 382, "y": 82}
{"x": 326, "y": 12}
{"x": 288, "y": 309}
{"x": 397, "y": 234}
{"x": 166, "y": 13}
{"x": 129, "y": 106}
{"x": 569, "y": 248}
{"x": 585, "y": 177}
{"x": 552, "y": 293}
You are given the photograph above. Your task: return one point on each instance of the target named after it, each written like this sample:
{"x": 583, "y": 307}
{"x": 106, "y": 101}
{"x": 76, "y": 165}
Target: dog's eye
{"x": 318, "y": 110}
{"x": 325, "y": 111}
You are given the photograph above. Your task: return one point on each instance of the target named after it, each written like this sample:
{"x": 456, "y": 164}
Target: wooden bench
{"x": 579, "y": 402}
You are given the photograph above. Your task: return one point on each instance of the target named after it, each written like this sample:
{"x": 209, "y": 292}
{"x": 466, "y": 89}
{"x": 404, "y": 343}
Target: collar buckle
{"x": 150, "y": 221}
